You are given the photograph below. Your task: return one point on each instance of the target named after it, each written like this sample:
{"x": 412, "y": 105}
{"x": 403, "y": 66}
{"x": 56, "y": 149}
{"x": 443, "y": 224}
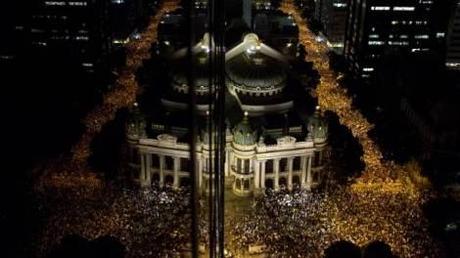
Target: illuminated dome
{"x": 243, "y": 133}
{"x": 253, "y": 68}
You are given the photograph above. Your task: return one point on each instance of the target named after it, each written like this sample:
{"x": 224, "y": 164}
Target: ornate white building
{"x": 267, "y": 143}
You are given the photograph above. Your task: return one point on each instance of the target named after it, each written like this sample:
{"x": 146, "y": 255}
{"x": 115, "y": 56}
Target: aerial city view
{"x": 237, "y": 128}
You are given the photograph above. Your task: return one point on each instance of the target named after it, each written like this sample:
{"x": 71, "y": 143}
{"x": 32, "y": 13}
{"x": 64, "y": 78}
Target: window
{"x": 57, "y": 3}
{"x": 403, "y": 8}
{"x": 246, "y": 184}
{"x": 283, "y": 165}
{"x": 380, "y": 8}
{"x": 424, "y": 36}
{"x": 269, "y": 166}
{"x": 296, "y": 163}
{"x": 155, "y": 161}
{"x": 169, "y": 163}
{"x": 375, "y": 43}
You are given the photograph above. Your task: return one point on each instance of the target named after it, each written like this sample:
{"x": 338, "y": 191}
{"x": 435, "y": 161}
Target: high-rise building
{"x": 332, "y": 15}
{"x": 277, "y": 29}
{"x": 377, "y": 26}
{"x": 453, "y": 41}
{"x": 13, "y": 31}
{"x": 125, "y": 16}
{"x": 78, "y": 29}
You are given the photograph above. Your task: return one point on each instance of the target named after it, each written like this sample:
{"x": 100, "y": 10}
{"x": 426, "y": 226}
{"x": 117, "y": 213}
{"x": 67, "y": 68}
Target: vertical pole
{"x": 189, "y": 9}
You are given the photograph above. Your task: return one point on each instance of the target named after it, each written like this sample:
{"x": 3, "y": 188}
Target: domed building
{"x": 269, "y": 144}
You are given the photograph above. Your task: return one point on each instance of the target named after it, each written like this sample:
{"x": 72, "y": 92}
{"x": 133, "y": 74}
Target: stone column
{"x": 303, "y": 175}
{"x": 227, "y": 162}
{"x": 262, "y": 174}
{"x": 176, "y": 172}
{"x": 142, "y": 173}
{"x": 289, "y": 181}
{"x": 200, "y": 172}
{"x": 162, "y": 172}
{"x": 309, "y": 173}
{"x": 256, "y": 175}
{"x": 276, "y": 164}
{"x": 148, "y": 168}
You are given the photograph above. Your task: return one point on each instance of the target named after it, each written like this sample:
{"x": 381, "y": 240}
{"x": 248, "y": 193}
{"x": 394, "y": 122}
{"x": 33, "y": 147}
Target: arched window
{"x": 246, "y": 166}
{"x": 246, "y": 184}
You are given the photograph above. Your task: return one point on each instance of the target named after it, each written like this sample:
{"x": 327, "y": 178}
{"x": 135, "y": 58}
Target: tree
{"x": 377, "y": 249}
{"x": 343, "y": 249}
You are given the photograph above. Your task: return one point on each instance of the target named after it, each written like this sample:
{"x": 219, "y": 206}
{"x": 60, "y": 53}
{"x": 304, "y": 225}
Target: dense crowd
{"x": 304, "y": 224}
{"x": 149, "y": 223}
{"x": 156, "y": 222}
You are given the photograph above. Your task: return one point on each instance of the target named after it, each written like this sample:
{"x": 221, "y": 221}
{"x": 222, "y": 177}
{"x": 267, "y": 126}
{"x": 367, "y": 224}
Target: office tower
{"x": 453, "y": 41}
{"x": 125, "y": 18}
{"x": 13, "y": 31}
{"x": 76, "y": 29}
{"x": 377, "y": 26}
{"x": 332, "y": 15}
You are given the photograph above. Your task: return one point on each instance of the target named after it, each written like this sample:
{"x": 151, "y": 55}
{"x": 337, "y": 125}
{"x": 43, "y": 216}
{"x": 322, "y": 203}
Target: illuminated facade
{"x": 80, "y": 28}
{"x": 268, "y": 144}
{"x": 453, "y": 42}
{"x": 375, "y": 26}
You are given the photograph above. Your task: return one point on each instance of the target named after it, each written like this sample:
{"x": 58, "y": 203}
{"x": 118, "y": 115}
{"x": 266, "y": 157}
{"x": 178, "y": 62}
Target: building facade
{"x": 268, "y": 145}
{"x": 80, "y": 28}
{"x": 453, "y": 41}
{"x": 332, "y": 15}
{"x": 377, "y": 26}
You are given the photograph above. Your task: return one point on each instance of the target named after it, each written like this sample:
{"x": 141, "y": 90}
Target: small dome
{"x": 317, "y": 125}
{"x": 136, "y": 122}
{"x": 243, "y": 133}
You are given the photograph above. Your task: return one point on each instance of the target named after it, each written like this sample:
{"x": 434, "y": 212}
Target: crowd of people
{"x": 305, "y": 224}
{"x": 150, "y": 222}
{"x": 156, "y": 222}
